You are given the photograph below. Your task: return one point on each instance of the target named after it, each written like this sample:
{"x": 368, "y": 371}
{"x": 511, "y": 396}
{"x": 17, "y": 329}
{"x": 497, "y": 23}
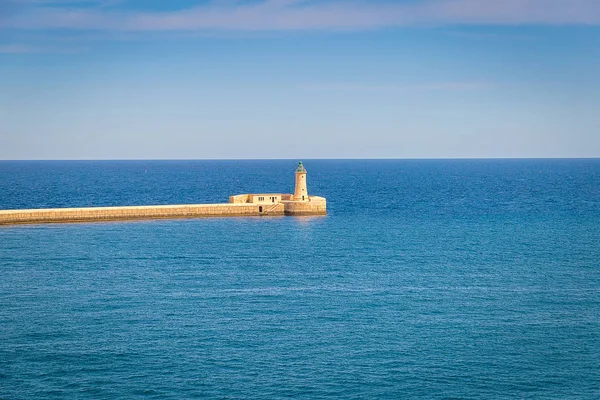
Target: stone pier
{"x": 243, "y": 205}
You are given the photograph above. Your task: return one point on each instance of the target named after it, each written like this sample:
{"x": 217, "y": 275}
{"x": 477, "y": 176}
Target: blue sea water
{"x": 428, "y": 279}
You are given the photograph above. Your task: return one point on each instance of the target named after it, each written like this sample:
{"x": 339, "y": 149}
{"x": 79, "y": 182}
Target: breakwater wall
{"x": 314, "y": 207}
{"x": 58, "y": 215}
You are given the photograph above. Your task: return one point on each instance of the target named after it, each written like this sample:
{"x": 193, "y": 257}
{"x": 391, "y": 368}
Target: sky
{"x": 301, "y": 79}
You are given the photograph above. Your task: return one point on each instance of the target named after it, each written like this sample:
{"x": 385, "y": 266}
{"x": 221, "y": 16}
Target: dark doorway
{"x": 260, "y": 209}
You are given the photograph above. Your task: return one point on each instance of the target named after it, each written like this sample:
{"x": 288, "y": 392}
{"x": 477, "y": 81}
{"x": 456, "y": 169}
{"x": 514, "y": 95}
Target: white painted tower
{"x": 300, "y": 192}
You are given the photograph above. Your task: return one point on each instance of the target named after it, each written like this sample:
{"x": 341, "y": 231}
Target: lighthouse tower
{"x": 300, "y": 192}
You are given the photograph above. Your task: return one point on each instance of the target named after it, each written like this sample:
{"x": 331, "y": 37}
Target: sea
{"x": 442, "y": 279}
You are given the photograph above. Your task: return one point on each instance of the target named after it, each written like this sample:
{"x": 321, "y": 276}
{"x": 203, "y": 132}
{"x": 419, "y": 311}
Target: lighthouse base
{"x": 314, "y": 206}
{"x": 283, "y": 204}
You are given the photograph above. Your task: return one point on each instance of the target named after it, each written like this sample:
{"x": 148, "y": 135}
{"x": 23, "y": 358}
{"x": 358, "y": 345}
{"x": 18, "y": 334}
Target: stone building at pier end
{"x": 298, "y": 203}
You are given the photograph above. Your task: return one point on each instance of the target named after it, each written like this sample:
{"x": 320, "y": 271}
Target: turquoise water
{"x": 438, "y": 279}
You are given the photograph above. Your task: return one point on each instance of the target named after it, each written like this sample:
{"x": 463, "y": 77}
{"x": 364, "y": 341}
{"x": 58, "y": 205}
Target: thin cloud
{"x": 290, "y": 15}
{"x": 19, "y": 49}
{"x": 489, "y": 35}
{"x": 455, "y": 86}
{"x": 27, "y": 49}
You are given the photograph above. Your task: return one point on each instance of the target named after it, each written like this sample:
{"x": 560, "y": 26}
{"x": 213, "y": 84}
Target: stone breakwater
{"x": 91, "y": 214}
{"x": 242, "y": 205}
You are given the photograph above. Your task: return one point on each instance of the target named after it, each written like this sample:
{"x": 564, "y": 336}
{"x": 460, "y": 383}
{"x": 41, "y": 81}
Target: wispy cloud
{"x": 28, "y": 49}
{"x": 98, "y": 3}
{"x": 453, "y": 86}
{"x": 459, "y": 86}
{"x": 305, "y": 15}
{"x": 18, "y": 49}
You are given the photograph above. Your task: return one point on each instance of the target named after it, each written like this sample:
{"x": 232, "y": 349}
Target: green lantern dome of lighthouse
{"x": 300, "y": 167}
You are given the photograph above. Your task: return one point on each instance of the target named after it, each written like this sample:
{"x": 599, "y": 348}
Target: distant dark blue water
{"x": 435, "y": 279}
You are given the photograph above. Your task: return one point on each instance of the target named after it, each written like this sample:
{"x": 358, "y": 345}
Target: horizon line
{"x": 310, "y": 159}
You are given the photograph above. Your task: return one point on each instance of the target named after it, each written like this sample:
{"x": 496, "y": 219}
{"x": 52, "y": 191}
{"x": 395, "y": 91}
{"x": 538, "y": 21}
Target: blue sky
{"x": 119, "y": 79}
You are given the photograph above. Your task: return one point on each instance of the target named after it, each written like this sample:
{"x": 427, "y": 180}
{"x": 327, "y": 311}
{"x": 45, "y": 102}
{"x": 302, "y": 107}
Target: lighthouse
{"x": 300, "y": 192}
{"x": 297, "y": 203}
